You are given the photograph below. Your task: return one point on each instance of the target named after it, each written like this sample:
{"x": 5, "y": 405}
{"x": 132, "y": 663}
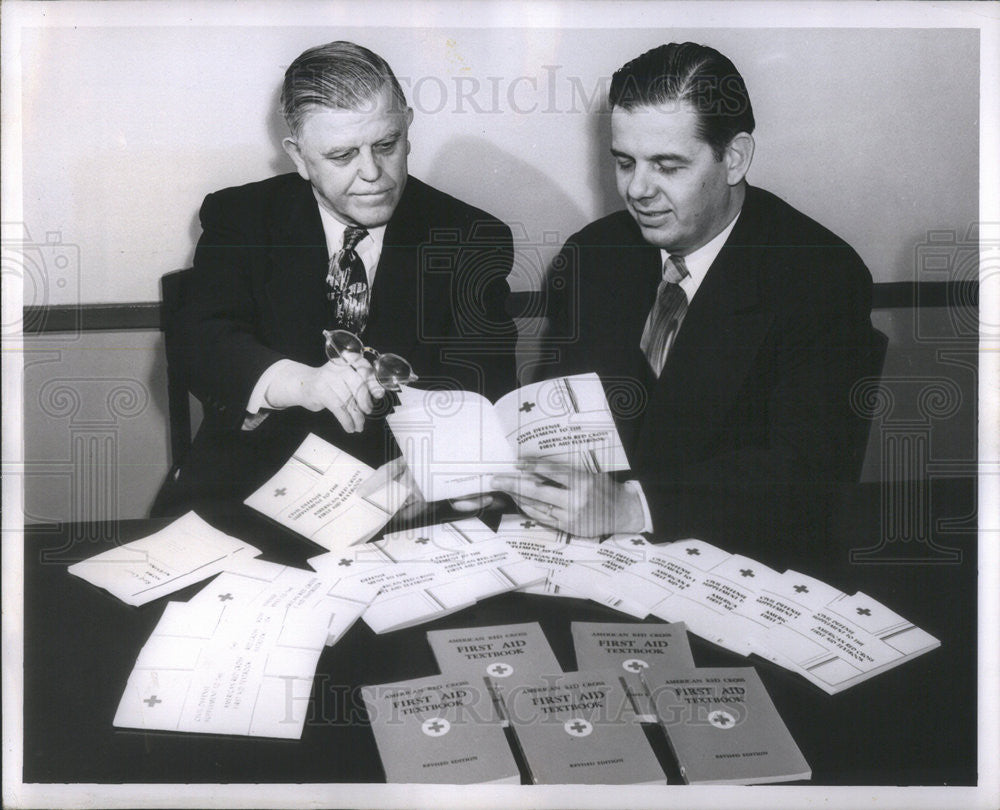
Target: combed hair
{"x": 696, "y": 75}
{"x": 339, "y": 75}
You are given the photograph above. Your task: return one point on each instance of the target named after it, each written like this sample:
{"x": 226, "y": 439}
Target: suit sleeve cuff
{"x": 647, "y": 520}
{"x": 258, "y": 407}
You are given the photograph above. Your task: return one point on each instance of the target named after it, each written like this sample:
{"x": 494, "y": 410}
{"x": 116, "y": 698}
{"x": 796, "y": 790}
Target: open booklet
{"x": 454, "y": 441}
{"x": 329, "y": 496}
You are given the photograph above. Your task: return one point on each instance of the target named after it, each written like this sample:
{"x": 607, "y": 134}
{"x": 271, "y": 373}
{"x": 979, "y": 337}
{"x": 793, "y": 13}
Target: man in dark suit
{"x": 727, "y": 326}
{"x": 351, "y": 242}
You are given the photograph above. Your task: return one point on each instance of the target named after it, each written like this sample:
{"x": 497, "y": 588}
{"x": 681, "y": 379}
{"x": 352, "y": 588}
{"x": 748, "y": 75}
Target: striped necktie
{"x": 347, "y": 284}
{"x": 666, "y": 315}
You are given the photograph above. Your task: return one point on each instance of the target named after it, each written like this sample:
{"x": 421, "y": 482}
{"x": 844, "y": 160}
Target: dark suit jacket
{"x": 257, "y": 294}
{"x": 750, "y": 417}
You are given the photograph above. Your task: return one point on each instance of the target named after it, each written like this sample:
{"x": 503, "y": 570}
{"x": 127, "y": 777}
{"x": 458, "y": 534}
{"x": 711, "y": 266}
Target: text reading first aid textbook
{"x": 634, "y": 649}
{"x": 438, "y": 730}
{"x": 724, "y": 729}
{"x": 581, "y": 729}
{"x": 500, "y": 657}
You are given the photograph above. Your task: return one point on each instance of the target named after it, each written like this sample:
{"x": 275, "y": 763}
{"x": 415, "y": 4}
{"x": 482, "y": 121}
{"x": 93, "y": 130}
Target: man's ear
{"x": 292, "y": 148}
{"x": 738, "y": 156}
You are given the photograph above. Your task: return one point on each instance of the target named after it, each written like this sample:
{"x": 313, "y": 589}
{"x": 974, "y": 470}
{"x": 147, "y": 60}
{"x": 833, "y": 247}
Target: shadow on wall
{"x": 506, "y": 186}
{"x": 541, "y": 214}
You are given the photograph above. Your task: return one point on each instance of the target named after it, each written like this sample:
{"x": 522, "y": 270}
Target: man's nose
{"x": 369, "y": 169}
{"x": 639, "y": 186}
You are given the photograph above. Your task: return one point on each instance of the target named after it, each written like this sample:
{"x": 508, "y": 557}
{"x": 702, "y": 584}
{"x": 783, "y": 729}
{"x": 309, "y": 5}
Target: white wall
{"x": 872, "y": 131}
{"x": 132, "y": 113}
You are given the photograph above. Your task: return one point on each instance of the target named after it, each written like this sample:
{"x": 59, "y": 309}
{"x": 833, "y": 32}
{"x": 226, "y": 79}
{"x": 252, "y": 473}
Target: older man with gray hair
{"x": 349, "y": 242}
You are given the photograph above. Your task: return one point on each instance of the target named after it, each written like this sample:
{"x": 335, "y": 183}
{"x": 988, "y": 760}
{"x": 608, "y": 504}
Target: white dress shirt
{"x": 369, "y": 250}
{"x": 698, "y": 263}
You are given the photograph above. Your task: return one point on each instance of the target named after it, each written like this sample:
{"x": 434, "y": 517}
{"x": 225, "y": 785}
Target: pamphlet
{"x": 504, "y": 654}
{"x": 581, "y": 729}
{"x": 438, "y": 730}
{"x": 256, "y": 583}
{"x": 328, "y": 496}
{"x": 724, "y": 728}
{"x": 186, "y": 551}
{"x": 455, "y": 441}
{"x": 221, "y": 669}
{"x": 635, "y": 649}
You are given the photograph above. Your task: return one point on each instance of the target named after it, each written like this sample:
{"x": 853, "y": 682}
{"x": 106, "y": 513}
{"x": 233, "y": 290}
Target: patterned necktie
{"x": 665, "y": 317}
{"x": 347, "y": 284}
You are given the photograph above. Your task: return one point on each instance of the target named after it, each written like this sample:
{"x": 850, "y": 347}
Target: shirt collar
{"x": 699, "y": 261}
{"x": 369, "y": 249}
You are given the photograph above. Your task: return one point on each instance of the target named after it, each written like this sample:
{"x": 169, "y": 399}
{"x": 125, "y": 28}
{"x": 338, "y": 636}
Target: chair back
{"x": 173, "y": 287}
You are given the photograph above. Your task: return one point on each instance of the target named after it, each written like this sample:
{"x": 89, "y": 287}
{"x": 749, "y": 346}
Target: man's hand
{"x": 581, "y": 503}
{"x": 414, "y": 508}
{"x": 346, "y": 391}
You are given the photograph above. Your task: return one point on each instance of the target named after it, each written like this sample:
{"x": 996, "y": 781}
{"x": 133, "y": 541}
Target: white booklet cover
{"x": 328, "y": 496}
{"x": 184, "y": 552}
{"x": 836, "y": 640}
{"x": 426, "y": 573}
{"x": 454, "y": 441}
{"x": 562, "y": 559}
{"x": 220, "y": 669}
{"x": 257, "y": 583}
{"x": 447, "y": 580}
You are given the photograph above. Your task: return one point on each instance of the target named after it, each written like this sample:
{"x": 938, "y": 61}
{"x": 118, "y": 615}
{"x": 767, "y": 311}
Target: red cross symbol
{"x": 864, "y": 612}
{"x": 225, "y": 597}
{"x": 528, "y": 524}
{"x": 578, "y": 728}
{"x": 279, "y": 492}
{"x": 692, "y": 551}
{"x": 526, "y": 407}
{"x": 746, "y": 572}
{"x": 435, "y": 727}
{"x": 345, "y": 562}
{"x": 721, "y": 719}
{"x": 423, "y": 540}
{"x": 801, "y": 589}
{"x": 152, "y": 700}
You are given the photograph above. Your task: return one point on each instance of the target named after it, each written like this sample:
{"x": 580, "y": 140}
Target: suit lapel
{"x": 715, "y": 349}
{"x": 297, "y": 261}
{"x": 395, "y": 301}
{"x": 624, "y": 299}
{"x": 411, "y": 298}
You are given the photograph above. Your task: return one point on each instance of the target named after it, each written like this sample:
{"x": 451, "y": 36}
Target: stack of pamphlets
{"x": 830, "y": 638}
{"x": 221, "y": 669}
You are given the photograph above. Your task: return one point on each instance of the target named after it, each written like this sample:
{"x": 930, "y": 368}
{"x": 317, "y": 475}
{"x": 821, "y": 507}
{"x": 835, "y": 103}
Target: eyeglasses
{"x": 391, "y": 370}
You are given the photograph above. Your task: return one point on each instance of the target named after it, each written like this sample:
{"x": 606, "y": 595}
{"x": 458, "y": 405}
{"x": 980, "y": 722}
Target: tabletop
{"x": 913, "y": 725}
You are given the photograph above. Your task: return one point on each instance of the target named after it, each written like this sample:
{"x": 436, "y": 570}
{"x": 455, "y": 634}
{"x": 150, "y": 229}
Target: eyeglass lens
{"x": 391, "y": 370}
